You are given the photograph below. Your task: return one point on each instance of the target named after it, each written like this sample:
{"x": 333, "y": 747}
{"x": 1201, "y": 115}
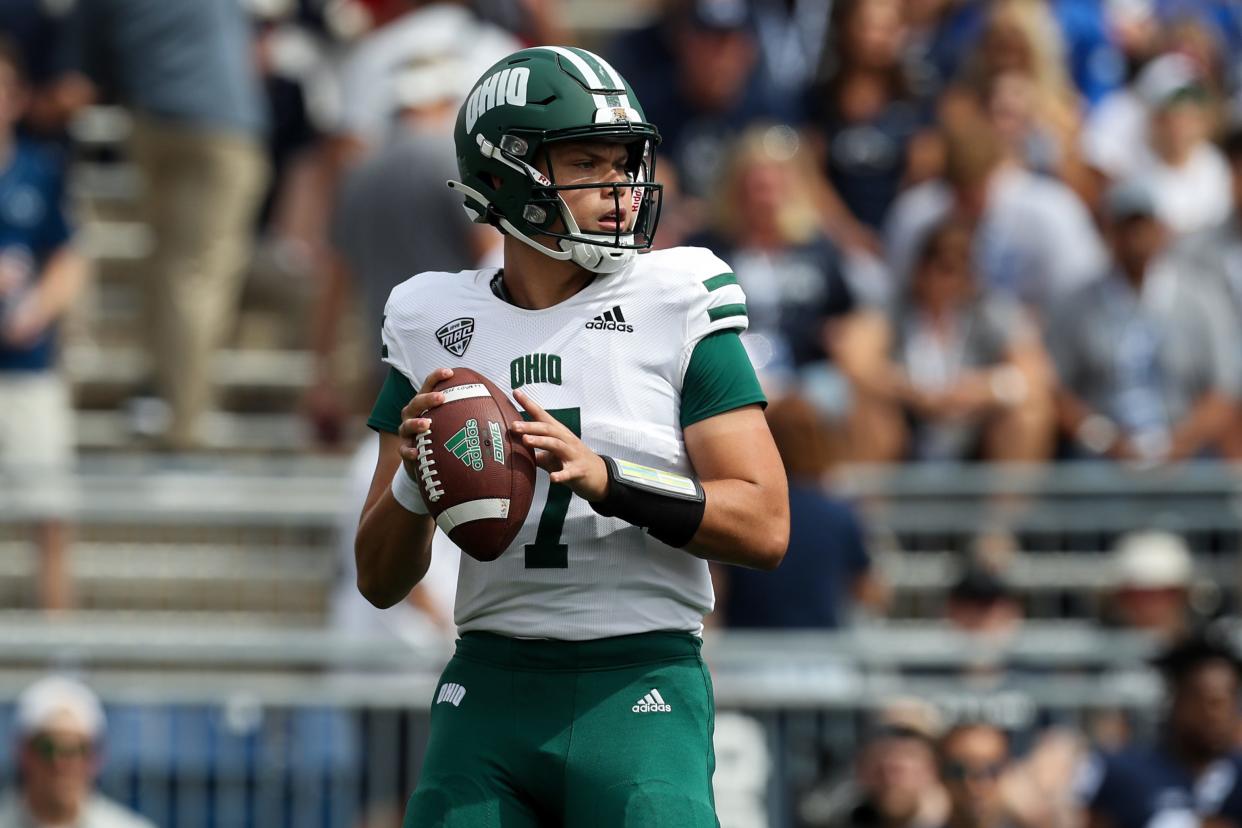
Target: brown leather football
{"x": 476, "y": 479}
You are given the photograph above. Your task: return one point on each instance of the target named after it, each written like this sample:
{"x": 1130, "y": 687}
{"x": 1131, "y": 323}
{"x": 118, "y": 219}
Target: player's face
{"x": 595, "y": 209}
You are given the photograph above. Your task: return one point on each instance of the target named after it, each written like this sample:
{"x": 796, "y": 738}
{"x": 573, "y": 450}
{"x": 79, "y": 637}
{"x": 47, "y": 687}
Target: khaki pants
{"x": 201, "y": 191}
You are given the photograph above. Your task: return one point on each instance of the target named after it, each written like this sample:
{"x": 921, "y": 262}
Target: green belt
{"x": 596, "y": 654}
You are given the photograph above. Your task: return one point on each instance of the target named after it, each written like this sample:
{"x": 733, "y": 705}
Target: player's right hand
{"x": 414, "y": 419}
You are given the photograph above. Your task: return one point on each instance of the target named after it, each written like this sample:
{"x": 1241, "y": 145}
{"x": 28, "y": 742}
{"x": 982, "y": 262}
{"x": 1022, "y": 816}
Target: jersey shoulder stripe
{"x": 703, "y": 284}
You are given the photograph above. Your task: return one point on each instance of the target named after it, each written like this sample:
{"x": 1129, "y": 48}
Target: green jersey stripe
{"x": 720, "y": 281}
{"x": 725, "y": 311}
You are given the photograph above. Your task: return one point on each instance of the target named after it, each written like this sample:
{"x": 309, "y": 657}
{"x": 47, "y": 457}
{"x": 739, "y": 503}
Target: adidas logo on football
{"x": 611, "y": 320}
{"x": 653, "y": 702}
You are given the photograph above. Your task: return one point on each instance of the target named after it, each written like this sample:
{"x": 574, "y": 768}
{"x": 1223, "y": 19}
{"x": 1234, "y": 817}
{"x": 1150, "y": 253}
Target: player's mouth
{"x": 613, "y": 221}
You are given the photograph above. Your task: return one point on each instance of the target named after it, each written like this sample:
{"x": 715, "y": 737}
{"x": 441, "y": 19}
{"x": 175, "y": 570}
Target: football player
{"x": 577, "y": 695}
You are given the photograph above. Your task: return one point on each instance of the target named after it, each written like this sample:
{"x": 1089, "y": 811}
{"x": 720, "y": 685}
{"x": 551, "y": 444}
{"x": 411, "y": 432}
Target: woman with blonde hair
{"x": 766, "y": 223}
{"x": 1019, "y": 73}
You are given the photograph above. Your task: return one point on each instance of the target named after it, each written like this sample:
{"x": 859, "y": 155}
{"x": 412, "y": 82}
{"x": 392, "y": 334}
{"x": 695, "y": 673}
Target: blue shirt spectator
{"x": 812, "y": 587}
{"x": 1194, "y": 772}
{"x": 1140, "y": 786}
{"x": 186, "y": 61}
{"x": 32, "y": 227}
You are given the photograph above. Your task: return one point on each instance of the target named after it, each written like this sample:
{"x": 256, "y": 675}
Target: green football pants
{"x": 611, "y": 733}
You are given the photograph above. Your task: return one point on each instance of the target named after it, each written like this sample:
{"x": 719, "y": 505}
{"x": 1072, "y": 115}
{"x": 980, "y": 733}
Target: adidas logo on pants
{"x": 653, "y": 702}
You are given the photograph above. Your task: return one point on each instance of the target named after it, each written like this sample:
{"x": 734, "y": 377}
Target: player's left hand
{"x": 561, "y": 453}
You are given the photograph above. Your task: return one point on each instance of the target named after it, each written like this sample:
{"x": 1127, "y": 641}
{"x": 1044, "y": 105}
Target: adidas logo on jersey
{"x": 611, "y": 320}
{"x": 653, "y": 702}
{"x": 452, "y": 693}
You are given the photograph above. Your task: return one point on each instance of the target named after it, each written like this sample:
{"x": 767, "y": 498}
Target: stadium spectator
{"x": 1034, "y": 240}
{"x": 827, "y": 568}
{"x": 981, "y": 603}
{"x": 1147, "y": 356}
{"x": 1187, "y": 173}
{"x": 41, "y": 274}
{"x": 1089, "y": 51}
{"x": 1153, "y": 572}
{"x": 393, "y": 216}
{"x": 1159, "y": 132}
{"x": 1019, "y": 63}
{"x": 865, "y": 117}
{"x": 765, "y": 224}
{"x": 894, "y": 782}
{"x": 698, "y": 74}
{"x": 186, "y": 71}
{"x": 1217, "y": 255}
{"x": 953, "y": 373}
{"x": 974, "y": 759}
{"x": 59, "y": 725}
{"x": 409, "y": 32}
{"x": 37, "y": 29}
{"x": 1193, "y": 771}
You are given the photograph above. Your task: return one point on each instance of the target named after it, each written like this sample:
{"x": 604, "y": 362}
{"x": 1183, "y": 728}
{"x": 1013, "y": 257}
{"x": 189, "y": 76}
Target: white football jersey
{"x": 609, "y": 362}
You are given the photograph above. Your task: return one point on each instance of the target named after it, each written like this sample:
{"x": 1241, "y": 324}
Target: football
{"x": 477, "y": 481}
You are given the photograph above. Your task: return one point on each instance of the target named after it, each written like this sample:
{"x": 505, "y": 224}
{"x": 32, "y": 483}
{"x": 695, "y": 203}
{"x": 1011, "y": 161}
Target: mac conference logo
{"x": 455, "y": 336}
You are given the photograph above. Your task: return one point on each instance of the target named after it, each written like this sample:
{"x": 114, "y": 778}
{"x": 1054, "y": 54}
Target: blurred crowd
{"x": 968, "y": 230}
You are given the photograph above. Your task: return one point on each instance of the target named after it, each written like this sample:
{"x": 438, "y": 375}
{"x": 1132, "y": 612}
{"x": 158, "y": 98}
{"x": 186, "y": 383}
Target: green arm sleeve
{"x": 719, "y": 378}
{"x": 394, "y": 396}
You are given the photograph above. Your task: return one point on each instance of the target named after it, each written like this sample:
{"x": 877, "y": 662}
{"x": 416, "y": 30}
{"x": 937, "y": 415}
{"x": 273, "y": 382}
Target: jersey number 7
{"x": 547, "y": 552}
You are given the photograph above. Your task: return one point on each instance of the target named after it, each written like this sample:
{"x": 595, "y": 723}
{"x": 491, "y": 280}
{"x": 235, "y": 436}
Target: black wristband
{"x": 669, "y": 506}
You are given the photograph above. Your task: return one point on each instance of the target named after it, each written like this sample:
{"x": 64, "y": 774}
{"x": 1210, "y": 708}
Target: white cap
{"x": 1165, "y": 77}
{"x": 428, "y": 79}
{"x": 1152, "y": 560}
{"x": 50, "y": 697}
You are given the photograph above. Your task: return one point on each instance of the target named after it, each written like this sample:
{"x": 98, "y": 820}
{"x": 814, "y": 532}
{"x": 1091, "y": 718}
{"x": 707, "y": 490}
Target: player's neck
{"x": 534, "y": 281}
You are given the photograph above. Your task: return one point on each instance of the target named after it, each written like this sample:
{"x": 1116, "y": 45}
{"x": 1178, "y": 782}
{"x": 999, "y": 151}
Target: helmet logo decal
{"x": 508, "y": 86}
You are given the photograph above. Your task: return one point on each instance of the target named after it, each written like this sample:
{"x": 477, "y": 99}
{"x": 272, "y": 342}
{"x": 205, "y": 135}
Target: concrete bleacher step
{"x": 223, "y": 431}
{"x": 204, "y": 577}
{"x": 128, "y": 367}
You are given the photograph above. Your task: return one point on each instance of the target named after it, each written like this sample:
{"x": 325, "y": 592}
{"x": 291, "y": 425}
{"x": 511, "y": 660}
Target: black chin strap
{"x": 498, "y": 287}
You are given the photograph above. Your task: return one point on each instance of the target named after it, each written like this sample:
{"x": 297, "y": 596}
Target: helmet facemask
{"x": 543, "y": 207}
{"x": 639, "y": 198}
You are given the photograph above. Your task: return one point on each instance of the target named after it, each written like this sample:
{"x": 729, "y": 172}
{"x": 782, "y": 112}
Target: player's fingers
{"x": 413, "y": 427}
{"x": 533, "y": 408}
{"x": 555, "y": 445}
{"x": 546, "y": 429}
{"x": 564, "y": 475}
{"x": 422, "y": 403}
{"x": 547, "y": 461}
{"x": 438, "y": 375}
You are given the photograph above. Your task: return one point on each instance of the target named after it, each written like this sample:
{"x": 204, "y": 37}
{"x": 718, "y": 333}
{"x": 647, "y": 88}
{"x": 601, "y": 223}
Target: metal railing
{"x": 215, "y": 727}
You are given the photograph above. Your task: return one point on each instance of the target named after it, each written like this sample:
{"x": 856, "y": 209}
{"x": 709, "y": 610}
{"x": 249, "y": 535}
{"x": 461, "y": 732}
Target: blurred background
{"x": 993, "y": 257}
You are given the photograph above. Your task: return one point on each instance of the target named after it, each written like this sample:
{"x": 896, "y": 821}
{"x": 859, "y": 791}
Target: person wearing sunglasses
{"x": 58, "y": 724}
{"x": 974, "y": 758}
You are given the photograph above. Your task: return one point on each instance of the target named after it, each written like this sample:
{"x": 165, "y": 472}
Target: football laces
{"x": 426, "y": 467}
